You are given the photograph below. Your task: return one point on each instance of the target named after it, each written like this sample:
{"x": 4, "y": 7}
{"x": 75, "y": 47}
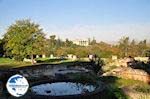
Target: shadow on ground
{"x": 112, "y": 91}
{"x": 113, "y": 88}
{"x": 50, "y": 60}
{"x": 142, "y": 66}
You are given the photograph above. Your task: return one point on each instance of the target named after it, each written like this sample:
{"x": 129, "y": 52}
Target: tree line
{"x": 25, "y": 38}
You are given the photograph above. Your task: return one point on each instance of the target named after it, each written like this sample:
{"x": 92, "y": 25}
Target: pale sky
{"x": 106, "y": 20}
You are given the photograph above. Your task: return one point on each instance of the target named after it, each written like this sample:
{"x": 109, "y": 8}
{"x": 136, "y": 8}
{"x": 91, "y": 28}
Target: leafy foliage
{"x": 23, "y": 38}
{"x": 1, "y": 48}
{"x": 132, "y": 48}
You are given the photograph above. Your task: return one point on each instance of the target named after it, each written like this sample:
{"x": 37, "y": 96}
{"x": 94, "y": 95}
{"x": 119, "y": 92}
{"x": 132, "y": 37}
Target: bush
{"x": 18, "y": 58}
{"x": 143, "y": 89}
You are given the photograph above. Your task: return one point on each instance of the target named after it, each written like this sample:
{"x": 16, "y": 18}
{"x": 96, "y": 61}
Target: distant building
{"x": 81, "y": 42}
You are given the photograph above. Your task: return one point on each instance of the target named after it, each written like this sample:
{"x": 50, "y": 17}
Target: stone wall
{"x": 144, "y": 59}
{"x": 47, "y": 70}
{"x": 129, "y": 73}
{"x": 123, "y": 62}
{"x": 135, "y": 74}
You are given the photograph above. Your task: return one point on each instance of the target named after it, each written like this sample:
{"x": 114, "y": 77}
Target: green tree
{"x": 93, "y": 41}
{"x": 1, "y": 48}
{"x": 52, "y": 43}
{"x": 52, "y": 40}
{"x": 68, "y": 43}
{"x": 133, "y": 49}
{"x": 124, "y": 46}
{"x": 59, "y": 43}
{"x": 24, "y": 38}
{"x": 142, "y": 47}
{"x": 147, "y": 53}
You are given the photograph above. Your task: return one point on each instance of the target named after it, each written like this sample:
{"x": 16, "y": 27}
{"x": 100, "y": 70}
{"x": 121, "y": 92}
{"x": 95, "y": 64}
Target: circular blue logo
{"x": 17, "y": 85}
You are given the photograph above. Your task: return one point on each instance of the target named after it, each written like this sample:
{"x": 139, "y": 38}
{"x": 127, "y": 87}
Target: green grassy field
{"x": 10, "y": 63}
{"x": 127, "y": 88}
{"x": 6, "y": 63}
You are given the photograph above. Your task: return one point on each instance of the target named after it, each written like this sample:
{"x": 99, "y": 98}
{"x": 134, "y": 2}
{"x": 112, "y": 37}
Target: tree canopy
{"x": 23, "y": 38}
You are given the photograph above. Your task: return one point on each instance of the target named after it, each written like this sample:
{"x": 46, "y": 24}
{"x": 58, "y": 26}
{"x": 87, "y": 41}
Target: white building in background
{"x": 81, "y": 42}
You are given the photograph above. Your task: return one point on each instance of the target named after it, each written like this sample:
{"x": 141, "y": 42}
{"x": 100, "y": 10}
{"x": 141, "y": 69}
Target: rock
{"x": 129, "y": 73}
{"x": 136, "y": 74}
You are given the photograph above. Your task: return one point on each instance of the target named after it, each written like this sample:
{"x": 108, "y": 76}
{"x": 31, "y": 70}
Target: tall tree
{"x": 142, "y": 47}
{"x": 124, "y": 46}
{"x": 68, "y": 43}
{"x": 23, "y": 38}
{"x": 133, "y": 49}
{"x": 52, "y": 43}
{"x": 1, "y": 48}
{"x": 59, "y": 43}
{"x": 93, "y": 41}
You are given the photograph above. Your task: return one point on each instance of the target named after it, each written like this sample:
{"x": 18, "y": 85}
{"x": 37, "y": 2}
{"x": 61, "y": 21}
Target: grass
{"x": 112, "y": 84}
{"x": 128, "y": 82}
{"x": 6, "y": 63}
{"x": 108, "y": 68}
{"x": 116, "y": 86}
{"x": 7, "y": 60}
{"x": 143, "y": 88}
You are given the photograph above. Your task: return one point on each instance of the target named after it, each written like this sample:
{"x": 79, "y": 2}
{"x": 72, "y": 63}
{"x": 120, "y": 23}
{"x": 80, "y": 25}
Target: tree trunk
{"x": 32, "y": 59}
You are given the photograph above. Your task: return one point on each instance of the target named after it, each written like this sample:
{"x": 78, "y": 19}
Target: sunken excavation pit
{"x": 66, "y": 89}
{"x": 59, "y": 81}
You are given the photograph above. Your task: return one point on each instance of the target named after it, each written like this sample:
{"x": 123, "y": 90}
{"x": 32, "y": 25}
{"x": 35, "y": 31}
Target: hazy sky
{"x": 106, "y": 20}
